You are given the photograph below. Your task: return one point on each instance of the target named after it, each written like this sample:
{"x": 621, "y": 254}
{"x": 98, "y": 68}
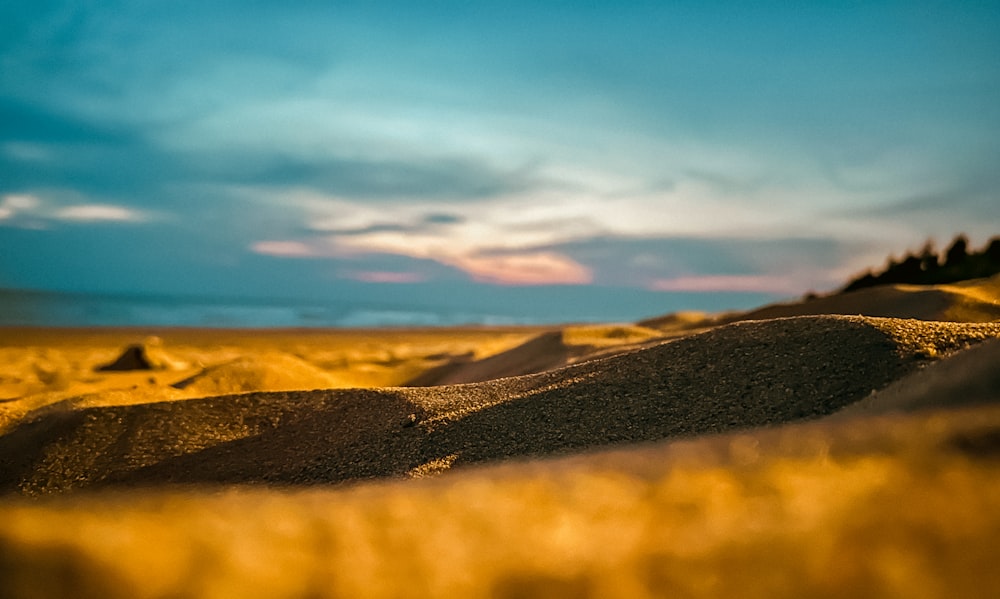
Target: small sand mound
{"x": 148, "y": 355}
{"x": 132, "y": 358}
{"x": 606, "y": 335}
{"x": 742, "y": 375}
{"x": 678, "y": 321}
{"x": 272, "y": 372}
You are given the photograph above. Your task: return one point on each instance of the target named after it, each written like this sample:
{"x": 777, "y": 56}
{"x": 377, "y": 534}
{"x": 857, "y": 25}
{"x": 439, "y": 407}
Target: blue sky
{"x": 555, "y": 149}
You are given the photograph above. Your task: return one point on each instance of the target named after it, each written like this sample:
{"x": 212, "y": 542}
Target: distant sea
{"x": 39, "y": 308}
{"x": 58, "y": 309}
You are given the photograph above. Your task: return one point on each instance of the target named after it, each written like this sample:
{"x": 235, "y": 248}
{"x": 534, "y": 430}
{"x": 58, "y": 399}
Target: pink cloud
{"x": 524, "y": 268}
{"x": 732, "y": 283}
{"x": 283, "y": 249}
{"x": 378, "y": 276}
{"x": 535, "y": 268}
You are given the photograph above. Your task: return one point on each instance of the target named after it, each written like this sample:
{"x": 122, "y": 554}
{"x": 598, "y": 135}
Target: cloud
{"x": 380, "y": 276}
{"x": 16, "y": 204}
{"x": 98, "y": 213}
{"x": 283, "y": 249}
{"x": 779, "y": 266}
{"x": 400, "y": 176}
{"x": 523, "y": 268}
{"x": 12, "y": 204}
{"x": 511, "y": 268}
{"x": 492, "y": 241}
{"x": 34, "y": 122}
{"x": 30, "y": 210}
{"x": 554, "y": 235}
{"x": 27, "y": 151}
{"x": 59, "y": 149}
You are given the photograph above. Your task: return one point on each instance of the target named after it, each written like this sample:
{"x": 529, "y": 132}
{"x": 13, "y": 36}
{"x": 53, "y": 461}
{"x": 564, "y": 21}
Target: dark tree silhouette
{"x": 928, "y": 257}
{"x": 993, "y": 251}
{"x": 958, "y": 252}
{"x": 927, "y": 268}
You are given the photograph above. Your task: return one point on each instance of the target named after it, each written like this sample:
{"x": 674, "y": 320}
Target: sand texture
{"x": 758, "y": 455}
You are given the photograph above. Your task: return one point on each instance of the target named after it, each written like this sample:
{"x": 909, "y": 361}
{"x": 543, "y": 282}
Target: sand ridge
{"x": 742, "y": 375}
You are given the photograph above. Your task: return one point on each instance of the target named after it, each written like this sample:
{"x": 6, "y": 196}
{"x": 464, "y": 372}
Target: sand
{"x": 43, "y": 366}
{"x": 690, "y": 456}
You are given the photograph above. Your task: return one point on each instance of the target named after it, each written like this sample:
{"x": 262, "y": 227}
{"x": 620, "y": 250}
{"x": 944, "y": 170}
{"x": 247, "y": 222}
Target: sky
{"x": 672, "y": 154}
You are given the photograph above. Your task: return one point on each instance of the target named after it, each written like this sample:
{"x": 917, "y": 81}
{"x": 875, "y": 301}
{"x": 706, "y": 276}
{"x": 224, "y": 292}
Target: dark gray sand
{"x": 744, "y": 375}
{"x": 968, "y": 378}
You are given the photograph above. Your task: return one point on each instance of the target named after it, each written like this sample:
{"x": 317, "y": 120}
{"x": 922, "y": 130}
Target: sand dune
{"x": 546, "y": 351}
{"x": 970, "y": 301}
{"x": 742, "y": 375}
{"x": 273, "y": 372}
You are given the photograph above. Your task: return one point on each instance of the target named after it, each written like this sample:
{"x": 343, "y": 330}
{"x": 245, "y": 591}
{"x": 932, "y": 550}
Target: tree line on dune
{"x": 927, "y": 267}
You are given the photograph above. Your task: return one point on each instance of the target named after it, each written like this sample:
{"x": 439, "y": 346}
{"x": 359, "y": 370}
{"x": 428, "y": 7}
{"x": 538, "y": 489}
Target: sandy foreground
{"x": 796, "y": 450}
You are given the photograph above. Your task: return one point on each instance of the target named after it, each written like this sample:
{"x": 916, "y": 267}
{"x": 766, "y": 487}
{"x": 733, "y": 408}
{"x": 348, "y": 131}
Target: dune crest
{"x": 545, "y": 351}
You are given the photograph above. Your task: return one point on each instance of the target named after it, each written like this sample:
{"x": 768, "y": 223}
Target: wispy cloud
{"x": 13, "y": 204}
{"x": 26, "y": 151}
{"x": 516, "y": 239}
{"x": 30, "y": 210}
{"x": 523, "y": 268}
{"x": 98, "y": 213}
{"x": 381, "y": 276}
{"x": 284, "y": 249}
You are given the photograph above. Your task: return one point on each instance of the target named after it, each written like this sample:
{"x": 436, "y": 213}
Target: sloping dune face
{"x": 737, "y": 376}
{"x": 969, "y": 378}
{"x": 970, "y": 301}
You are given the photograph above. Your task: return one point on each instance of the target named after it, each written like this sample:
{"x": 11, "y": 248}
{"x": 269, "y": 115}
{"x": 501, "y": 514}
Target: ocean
{"x": 505, "y": 307}
{"x": 38, "y": 308}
